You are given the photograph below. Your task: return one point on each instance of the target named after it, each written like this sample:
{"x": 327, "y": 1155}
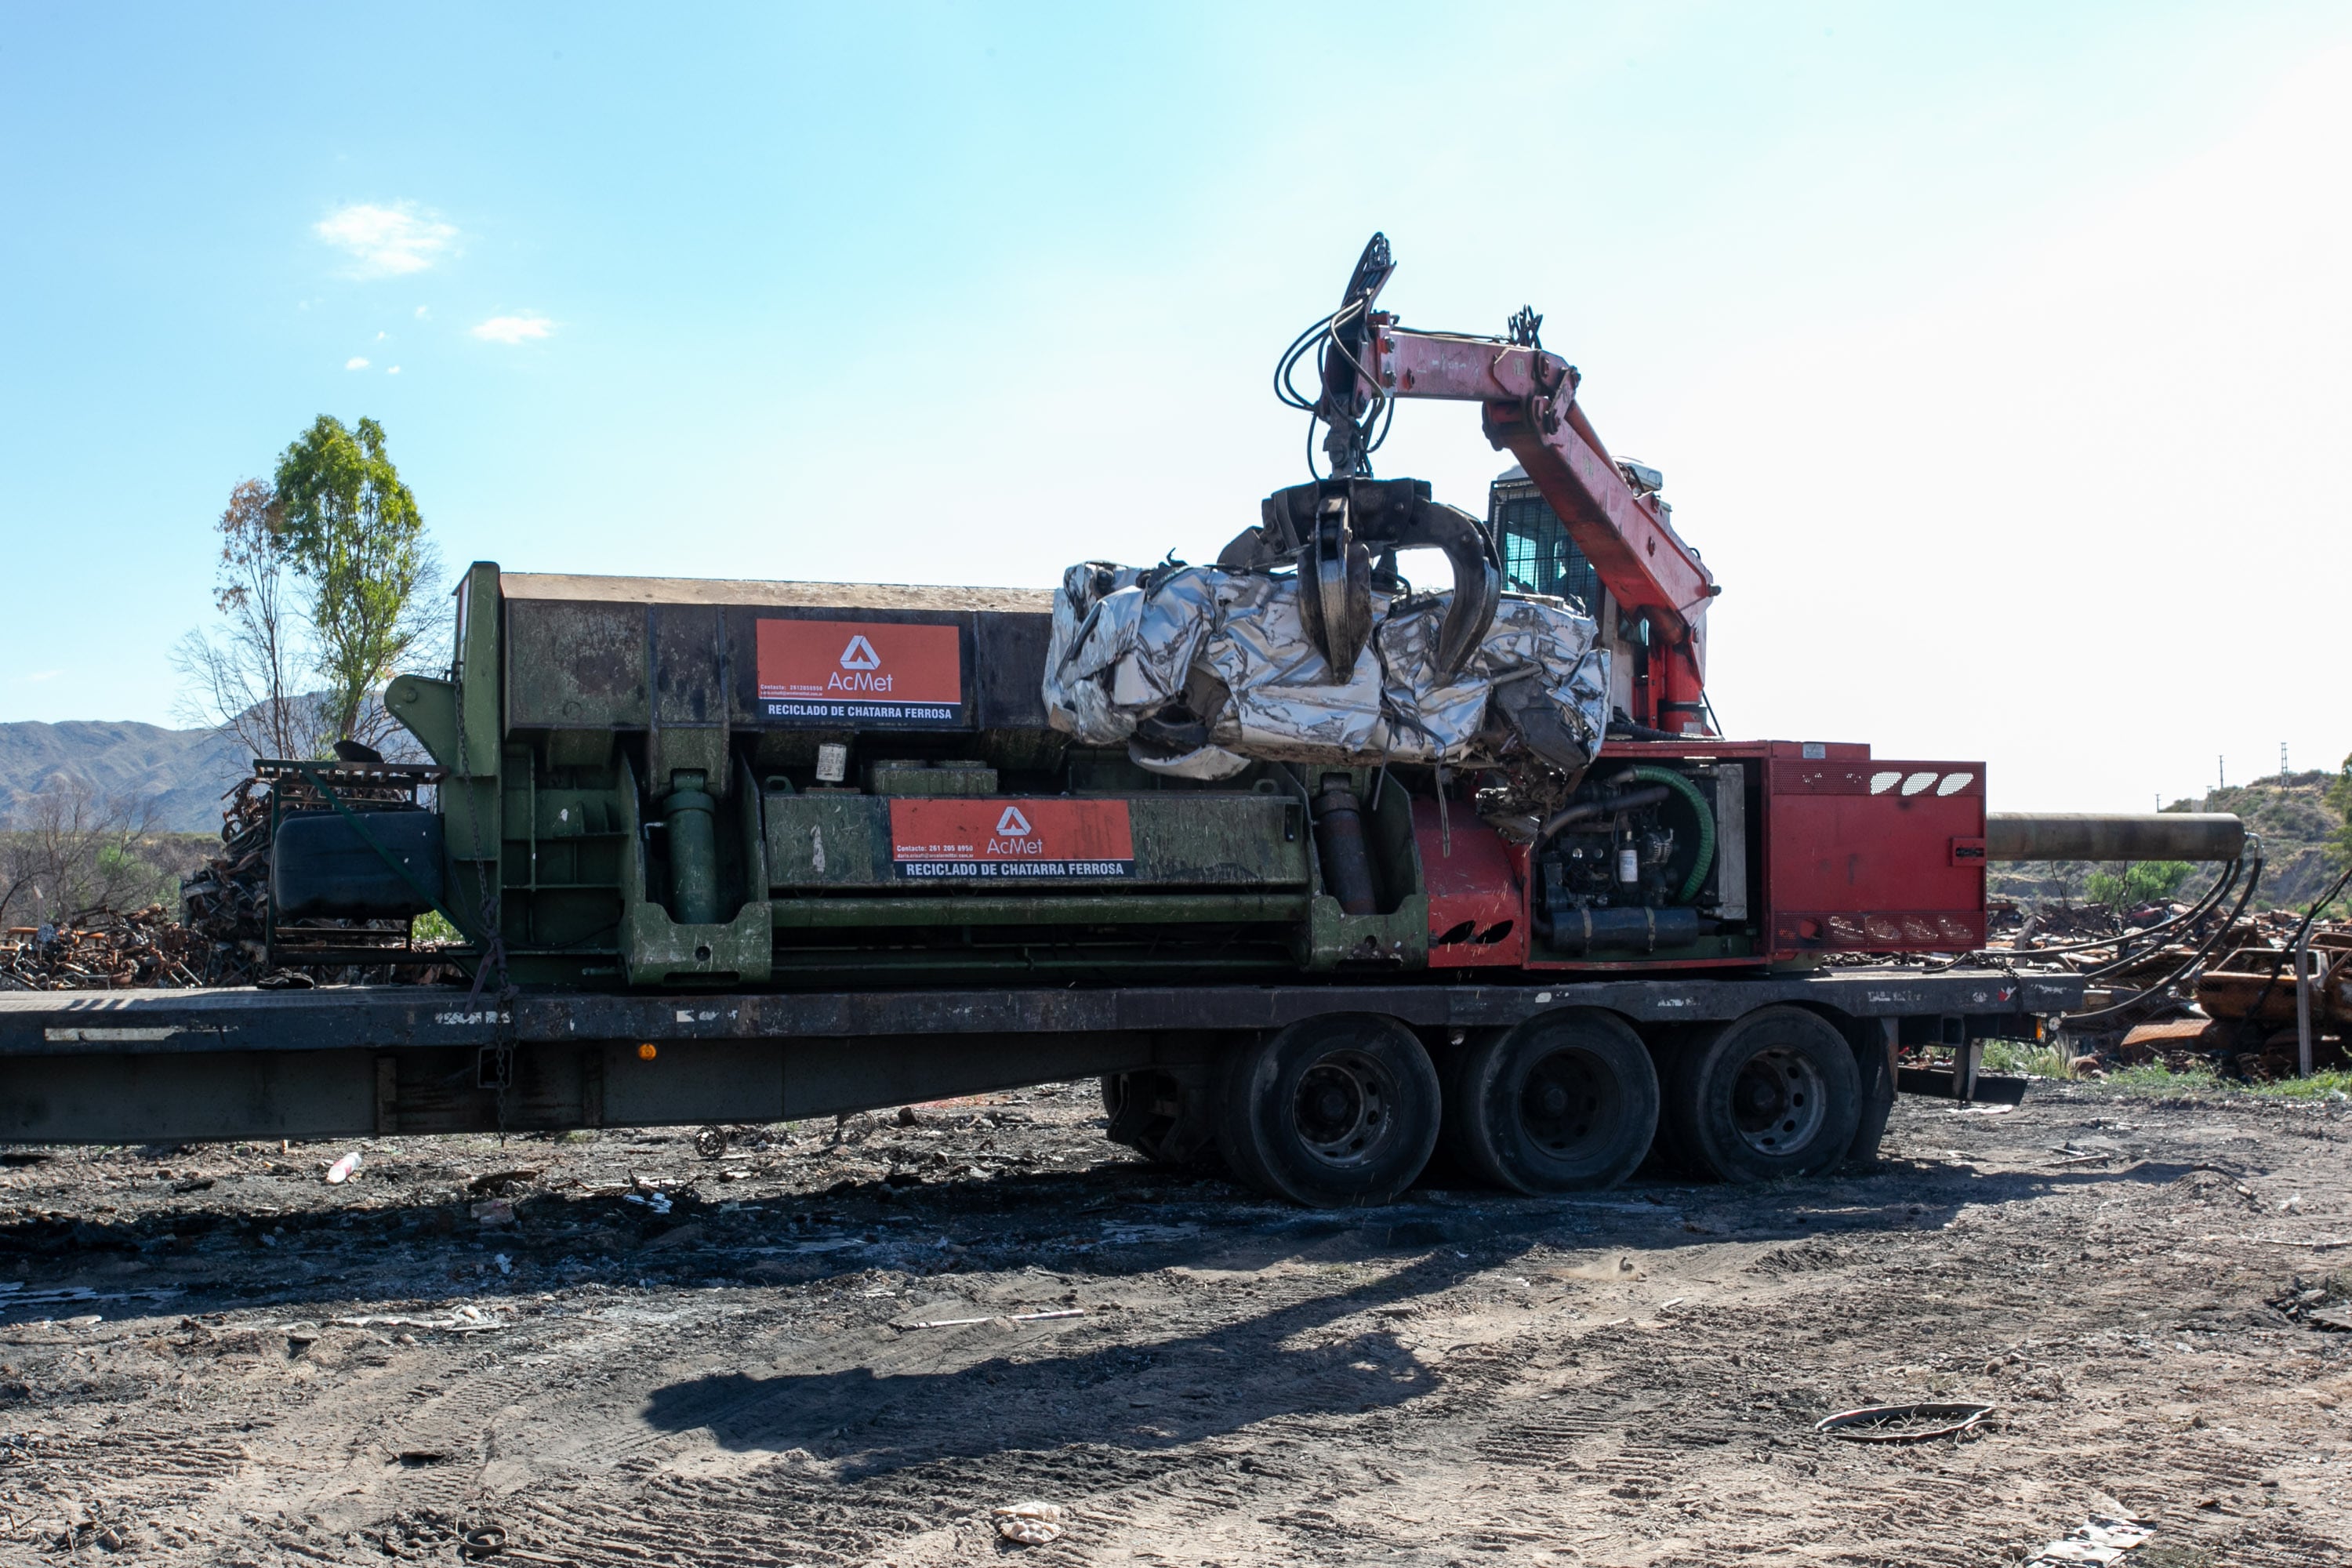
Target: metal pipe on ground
{"x": 2121, "y": 836}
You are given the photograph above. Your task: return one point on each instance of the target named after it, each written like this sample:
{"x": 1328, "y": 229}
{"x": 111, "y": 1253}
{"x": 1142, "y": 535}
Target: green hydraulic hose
{"x": 1689, "y": 792}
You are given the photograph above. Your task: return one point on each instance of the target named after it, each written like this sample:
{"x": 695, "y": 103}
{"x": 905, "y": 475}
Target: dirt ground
{"x": 209, "y": 1355}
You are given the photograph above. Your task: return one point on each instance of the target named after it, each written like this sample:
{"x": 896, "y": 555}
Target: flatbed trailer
{"x": 182, "y": 1066}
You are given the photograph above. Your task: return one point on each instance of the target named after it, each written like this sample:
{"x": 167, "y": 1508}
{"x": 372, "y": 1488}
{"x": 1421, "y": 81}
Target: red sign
{"x": 1000, "y": 839}
{"x": 839, "y": 672}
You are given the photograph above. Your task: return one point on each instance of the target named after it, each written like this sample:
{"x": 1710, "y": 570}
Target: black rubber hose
{"x": 2219, "y": 890}
{"x": 2296, "y": 941}
{"x": 1607, "y": 806}
{"x": 2141, "y": 945}
{"x": 2137, "y": 998}
{"x": 1704, "y": 861}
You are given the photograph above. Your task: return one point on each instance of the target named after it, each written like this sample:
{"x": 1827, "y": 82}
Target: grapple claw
{"x": 1332, "y": 529}
{"x": 1335, "y": 589}
{"x": 1477, "y": 577}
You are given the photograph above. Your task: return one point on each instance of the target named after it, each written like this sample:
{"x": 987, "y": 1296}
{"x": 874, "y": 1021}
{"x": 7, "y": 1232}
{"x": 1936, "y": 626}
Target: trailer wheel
{"x": 1161, "y": 1113}
{"x": 1339, "y": 1112}
{"x": 1563, "y": 1103}
{"x": 1770, "y": 1095}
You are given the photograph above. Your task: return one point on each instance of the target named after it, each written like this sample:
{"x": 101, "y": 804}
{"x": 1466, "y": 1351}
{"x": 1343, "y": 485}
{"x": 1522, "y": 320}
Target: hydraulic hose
{"x": 1607, "y": 805}
{"x": 1689, "y": 792}
{"x": 2140, "y": 998}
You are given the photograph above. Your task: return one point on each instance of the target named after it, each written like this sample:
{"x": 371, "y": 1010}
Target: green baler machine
{"x": 680, "y": 782}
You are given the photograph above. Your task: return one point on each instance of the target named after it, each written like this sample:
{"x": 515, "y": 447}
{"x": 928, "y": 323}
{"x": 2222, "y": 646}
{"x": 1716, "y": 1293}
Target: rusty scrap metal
{"x": 140, "y": 950}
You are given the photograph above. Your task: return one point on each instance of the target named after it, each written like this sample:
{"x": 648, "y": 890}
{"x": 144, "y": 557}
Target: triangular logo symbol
{"x": 860, "y": 654}
{"x": 1012, "y": 824}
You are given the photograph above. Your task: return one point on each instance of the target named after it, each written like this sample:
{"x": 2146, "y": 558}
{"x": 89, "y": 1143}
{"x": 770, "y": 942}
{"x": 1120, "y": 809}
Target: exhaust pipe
{"x": 2124, "y": 836}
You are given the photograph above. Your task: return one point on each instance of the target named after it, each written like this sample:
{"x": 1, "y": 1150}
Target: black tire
{"x": 1565, "y": 1102}
{"x": 1339, "y": 1112}
{"x": 1875, "y": 1063}
{"x": 1160, "y": 1113}
{"x": 1771, "y": 1095}
{"x": 1669, "y": 1160}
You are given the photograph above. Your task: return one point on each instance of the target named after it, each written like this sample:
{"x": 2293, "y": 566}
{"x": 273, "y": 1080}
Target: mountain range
{"x": 183, "y": 771}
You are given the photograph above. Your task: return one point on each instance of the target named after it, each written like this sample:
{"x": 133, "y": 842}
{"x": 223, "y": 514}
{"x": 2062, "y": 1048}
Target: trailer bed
{"x": 137, "y": 1066}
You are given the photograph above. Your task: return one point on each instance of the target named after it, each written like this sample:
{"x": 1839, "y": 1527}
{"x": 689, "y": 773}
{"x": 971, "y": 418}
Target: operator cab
{"x": 1538, "y": 557}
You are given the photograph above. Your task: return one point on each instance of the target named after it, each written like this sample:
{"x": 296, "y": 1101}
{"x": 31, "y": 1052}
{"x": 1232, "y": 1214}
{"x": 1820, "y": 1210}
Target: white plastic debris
{"x": 343, "y": 1170}
{"x": 1030, "y": 1523}
{"x": 506, "y": 1264}
{"x": 464, "y": 1319}
{"x": 657, "y": 1202}
{"x": 2092, "y": 1541}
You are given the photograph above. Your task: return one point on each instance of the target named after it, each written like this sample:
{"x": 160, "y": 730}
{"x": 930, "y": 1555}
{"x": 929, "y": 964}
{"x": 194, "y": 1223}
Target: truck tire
{"x": 1566, "y": 1102}
{"x": 1161, "y": 1113}
{"x": 1875, "y": 1064}
{"x": 1773, "y": 1094}
{"x": 1339, "y": 1112}
{"x": 1669, "y": 1046}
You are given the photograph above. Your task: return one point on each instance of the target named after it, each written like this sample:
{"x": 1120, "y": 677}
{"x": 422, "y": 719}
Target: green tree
{"x": 2140, "y": 882}
{"x": 350, "y": 530}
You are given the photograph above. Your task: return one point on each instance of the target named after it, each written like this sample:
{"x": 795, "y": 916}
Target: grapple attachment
{"x": 1333, "y": 529}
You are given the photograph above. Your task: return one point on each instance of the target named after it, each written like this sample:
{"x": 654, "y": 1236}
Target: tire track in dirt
{"x": 1624, "y": 1384}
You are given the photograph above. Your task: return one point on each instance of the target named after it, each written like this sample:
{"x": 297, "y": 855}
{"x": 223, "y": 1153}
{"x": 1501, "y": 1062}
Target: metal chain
{"x": 489, "y": 912}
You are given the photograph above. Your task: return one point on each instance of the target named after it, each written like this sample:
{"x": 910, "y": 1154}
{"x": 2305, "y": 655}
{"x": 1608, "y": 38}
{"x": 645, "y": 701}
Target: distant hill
{"x": 2290, "y": 814}
{"x": 2294, "y": 820}
{"x": 182, "y": 770}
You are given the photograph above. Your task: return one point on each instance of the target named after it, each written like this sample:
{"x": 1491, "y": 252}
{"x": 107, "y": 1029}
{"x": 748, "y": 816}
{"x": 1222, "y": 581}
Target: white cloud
{"x": 524, "y": 328}
{"x": 423, "y": 311}
{"x": 355, "y": 363}
{"x": 387, "y": 242}
{"x": 378, "y": 337}
{"x": 37, "y": 677}
{"x": 394, "y": 371}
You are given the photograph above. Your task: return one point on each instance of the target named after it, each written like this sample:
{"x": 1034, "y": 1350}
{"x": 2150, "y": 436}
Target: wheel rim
{"x": 1777, "y": 1101}
{"x": 1344, "y": 1107}
{"x": 1561, "y": 1101}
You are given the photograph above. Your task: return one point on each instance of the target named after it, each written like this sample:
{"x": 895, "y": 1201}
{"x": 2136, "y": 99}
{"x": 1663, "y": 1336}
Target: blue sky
{"x": 1991, "y": 352}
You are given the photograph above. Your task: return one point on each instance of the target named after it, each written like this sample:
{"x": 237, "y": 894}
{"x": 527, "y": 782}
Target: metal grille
{"x": 1538, "y": 557}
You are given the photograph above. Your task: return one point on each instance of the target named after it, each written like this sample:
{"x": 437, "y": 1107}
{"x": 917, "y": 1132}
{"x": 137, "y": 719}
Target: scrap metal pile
{"x": 2184, "y": 990}
{"x": 226, "y": 904}
{"x": 140, "y": 950}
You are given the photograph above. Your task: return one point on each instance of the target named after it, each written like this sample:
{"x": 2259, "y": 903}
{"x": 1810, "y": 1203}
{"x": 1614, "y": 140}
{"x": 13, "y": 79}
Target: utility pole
{"x": 2282, "y": 762}
{"x": 2220, "y": 772}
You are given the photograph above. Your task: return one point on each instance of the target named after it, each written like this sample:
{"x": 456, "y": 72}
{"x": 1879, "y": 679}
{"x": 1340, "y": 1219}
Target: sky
{"x": 1992, "y": 353}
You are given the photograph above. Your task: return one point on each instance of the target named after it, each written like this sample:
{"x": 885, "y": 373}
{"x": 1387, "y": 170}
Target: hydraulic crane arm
{"x": 1528, "y": 407}
{"x": 1528, "y": 402}
{"x": 1527, "y": 399}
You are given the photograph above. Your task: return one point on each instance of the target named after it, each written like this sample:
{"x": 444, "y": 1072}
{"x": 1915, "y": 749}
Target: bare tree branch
{"x": 245, "y": 678}
{"x": 67, "y": 855}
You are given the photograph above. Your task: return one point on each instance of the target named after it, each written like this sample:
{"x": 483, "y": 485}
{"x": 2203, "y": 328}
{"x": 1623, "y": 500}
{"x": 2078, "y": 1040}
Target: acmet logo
{"x": 1013, "y": 835}
{"x": 825, "y": 668}
{"x": 859, "y": 661}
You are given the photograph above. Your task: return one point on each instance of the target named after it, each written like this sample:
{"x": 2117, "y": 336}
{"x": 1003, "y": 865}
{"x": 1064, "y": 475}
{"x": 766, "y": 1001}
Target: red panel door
{"x": 1874, "y": 856}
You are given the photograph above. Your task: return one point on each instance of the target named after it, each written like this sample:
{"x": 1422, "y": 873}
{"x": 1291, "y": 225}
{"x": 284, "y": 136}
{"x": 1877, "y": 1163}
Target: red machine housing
{"x": 1842, "y": 853}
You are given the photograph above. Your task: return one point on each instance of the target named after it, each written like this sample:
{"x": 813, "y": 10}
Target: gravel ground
{"x": 607, "y": 1348}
